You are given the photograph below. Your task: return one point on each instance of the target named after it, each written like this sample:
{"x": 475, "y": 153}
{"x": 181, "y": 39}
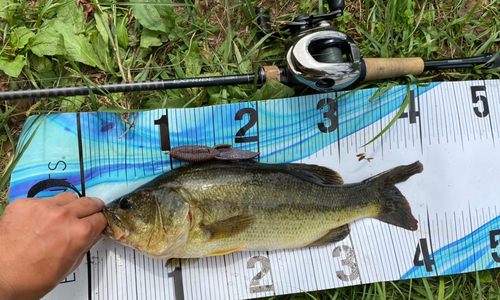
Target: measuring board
{"x": 452, "y": 128}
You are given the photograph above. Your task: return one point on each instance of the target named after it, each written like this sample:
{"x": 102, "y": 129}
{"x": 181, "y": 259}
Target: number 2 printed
{"x": 265, "y": 269}
{"x": 240, "y": 135}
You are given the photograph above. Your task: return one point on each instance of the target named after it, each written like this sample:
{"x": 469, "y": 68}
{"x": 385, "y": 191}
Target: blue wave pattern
{"x": 472, "y": 252}
{"x": 287, "y": 130}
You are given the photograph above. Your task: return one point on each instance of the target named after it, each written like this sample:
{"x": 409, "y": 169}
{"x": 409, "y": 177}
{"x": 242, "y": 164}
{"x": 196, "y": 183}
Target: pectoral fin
{"x": 227, "y": 227}
{"x": 333, "y": 236}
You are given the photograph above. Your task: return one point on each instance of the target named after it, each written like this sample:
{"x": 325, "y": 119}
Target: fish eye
{"x": 125, "y": 204}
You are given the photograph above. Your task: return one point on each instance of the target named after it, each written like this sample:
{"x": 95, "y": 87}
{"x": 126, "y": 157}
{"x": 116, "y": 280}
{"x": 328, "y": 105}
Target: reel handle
{"x": 336, "y": 5}
{"x": 264, "y": 22}
{"x": 385, "y": 68}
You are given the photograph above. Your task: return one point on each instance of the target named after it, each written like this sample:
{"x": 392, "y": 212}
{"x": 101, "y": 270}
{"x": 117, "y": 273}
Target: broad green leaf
{"x": 7, "y": 8}
{"x": 155, "y": 17}
{"x": 150, "y": 38}
{"x": 47, "y": 42}
{"x": 102, "y": 49}
{"x": 3, "y": 8}
{"x": 20, "y": 36}
{"x": 71, "y": 15}
{"x": 272, "y": 89}
{"x": 13, "y": 67}
{"x": 122, "y": 34}
{"x": 484, "y": 276}
{"x": 193, "y": 62}
{"x": 102, "y": 26}
{"x": 77, "y": 46}
{"x": 44, "y": 70}
{"x": 72, "y": 104}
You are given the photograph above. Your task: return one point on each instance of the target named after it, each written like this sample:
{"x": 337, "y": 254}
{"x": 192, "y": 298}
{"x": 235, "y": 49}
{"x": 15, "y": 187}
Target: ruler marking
{"x": 117, "y": 148}
{"x": 107, "y": 145}
{"x": 489, "y": 115}
{"x": 281, "y": 102}
{"x": 134, "y": 155}
{"x": 355, "y": 258}
{"x": 369, "y": 267}
{"x": 476, "y": 124}
{"x": 439, "y": 239}
{"x": 427, "y": 114}
{"x": 446, "y": 119}
{"x": 430, "y": 238}
{"x": 465, "y": 233}
{"x": 258, "y": 136}
{"x": 314, "y": 282}
{"x": 90, "y": 147}
{"x": 196, "y": 126}
{"x": 97, "y": 133}
{"x": 357, "y": 135}
{"x": 153, "y": 156}
{"x": 455, "y": 121}
{"x": 300, "y": 127}
{"x": 394, "y": 248}
{"x": 465, "y": 118}
{"x": 472, "y": 235}
{"x": 459, "y": 123}
{"x": 459, "y": 262}
{"x": 365, "y": 118}
{"x": 419, "y": 122}
{"x": 143, "y": 120}
{"x": 447, "y": 238}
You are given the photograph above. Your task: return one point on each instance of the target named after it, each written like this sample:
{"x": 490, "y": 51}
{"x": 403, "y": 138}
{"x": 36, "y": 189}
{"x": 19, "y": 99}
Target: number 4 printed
{"x": 423, "y": 249}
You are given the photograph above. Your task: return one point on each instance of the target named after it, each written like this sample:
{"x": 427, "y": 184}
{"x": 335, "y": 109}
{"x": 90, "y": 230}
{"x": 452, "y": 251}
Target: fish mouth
{"x": 113, "y": 230}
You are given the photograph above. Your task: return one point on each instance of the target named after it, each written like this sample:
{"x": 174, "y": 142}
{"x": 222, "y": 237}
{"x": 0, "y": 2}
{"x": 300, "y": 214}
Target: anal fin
{"x": 228, "y": 227}
{"x": 227, "y": 251}
{"x": 334, "y": 235}
{"x": 182, "y": 261}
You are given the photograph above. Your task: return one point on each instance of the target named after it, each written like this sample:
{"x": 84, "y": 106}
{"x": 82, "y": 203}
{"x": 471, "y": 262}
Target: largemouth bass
{"x": 218, "y": 208}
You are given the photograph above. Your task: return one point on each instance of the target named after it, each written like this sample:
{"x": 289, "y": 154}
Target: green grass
{"x": 130, "y": 41}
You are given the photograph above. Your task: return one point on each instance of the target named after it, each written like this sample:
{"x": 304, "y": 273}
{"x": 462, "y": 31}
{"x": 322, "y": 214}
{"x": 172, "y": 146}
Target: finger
{"x": 85, "y": 206}
{"x": 77, "y": 264}
{"x": 97, "y": 238}
{"x": 62, "y": 198}
{"x": 98, "y": 222}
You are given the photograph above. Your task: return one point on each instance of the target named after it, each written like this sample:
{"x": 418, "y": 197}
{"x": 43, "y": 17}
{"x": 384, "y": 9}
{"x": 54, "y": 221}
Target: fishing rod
{"x": 321, "y": 57}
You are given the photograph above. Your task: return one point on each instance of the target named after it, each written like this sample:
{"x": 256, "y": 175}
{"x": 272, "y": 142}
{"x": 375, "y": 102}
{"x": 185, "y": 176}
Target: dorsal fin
{"x": 318, "y": 174}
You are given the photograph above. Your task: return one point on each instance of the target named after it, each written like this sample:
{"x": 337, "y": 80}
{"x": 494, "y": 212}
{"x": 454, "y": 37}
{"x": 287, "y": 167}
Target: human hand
{"x": 44, "y": 240}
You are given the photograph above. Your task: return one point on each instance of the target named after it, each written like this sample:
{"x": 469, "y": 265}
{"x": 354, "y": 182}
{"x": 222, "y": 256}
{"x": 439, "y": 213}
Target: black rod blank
{"x": 132, "y": 87}
{"x": 470, "y": 62}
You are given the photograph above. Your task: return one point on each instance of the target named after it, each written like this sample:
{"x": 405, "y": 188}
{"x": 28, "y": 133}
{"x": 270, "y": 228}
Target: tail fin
{"x": 395, "y": 208}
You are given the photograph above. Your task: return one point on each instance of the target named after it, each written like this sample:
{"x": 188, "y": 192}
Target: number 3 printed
{"x": 349, "y": 261}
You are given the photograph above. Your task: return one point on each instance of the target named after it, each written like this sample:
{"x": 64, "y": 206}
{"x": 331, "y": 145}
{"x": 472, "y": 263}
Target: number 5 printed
{"x": 494, "y": 244}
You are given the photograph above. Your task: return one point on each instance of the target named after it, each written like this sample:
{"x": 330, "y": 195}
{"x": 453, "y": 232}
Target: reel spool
{"x": 324, "y": 59}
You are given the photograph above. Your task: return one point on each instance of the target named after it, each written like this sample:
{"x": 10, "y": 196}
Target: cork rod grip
{"x": 384, "y": 68}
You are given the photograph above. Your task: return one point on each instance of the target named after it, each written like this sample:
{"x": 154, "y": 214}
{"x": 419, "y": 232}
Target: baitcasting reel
{"x": 326, "y": 59}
